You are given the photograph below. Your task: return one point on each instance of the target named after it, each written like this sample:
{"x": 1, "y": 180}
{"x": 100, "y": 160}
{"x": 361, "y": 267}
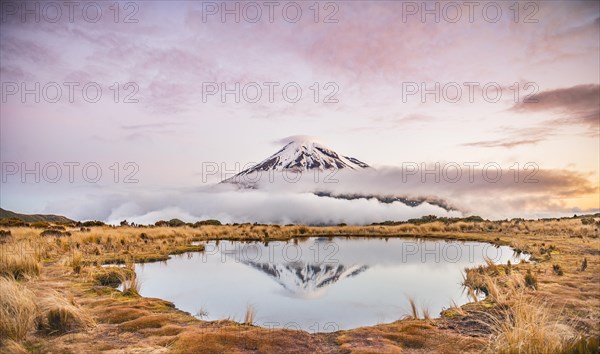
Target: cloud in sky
{"x": 285, "y": 200}
{"x": 578, "y": 105}
{"x": 368, "y": 53}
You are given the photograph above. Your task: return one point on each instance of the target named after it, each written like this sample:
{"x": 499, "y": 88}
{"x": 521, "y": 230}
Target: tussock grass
{"x": 19, "y": 266}
{"x": 453, "y": 311}
{"x": 426, "y": 313}
{"x": 414, "y": 311}
{"x": 109, "y": 276}
{"x": 527, "y": 326}
{"x": 584, "y": 265}
{"x": 523, "y": 322}
{"x": 77, "y": 262}
{"x": 57, "y": 315}
{"x": 131, "y": 284}
{"x": 531, "y": 280}
{"x": 12, "y": 347}
{"x": 566, "y": 242}
{"x": 491, "y": 266}
{"x": 17, "y": 309}
{"x": 201, "y": 312}
{"x": 249, "y": 316}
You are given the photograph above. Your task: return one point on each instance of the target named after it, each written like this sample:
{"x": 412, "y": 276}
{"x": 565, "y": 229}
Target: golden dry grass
{"x": 18, "y": 309}
{"x": 567, "y": 303}
{"x": 527, "y": 326}
{"x": 57, "y": 315}
{"x": 249, "y": 316}
{"x": 11, "y": 347}
{"x": 18, "y": 264}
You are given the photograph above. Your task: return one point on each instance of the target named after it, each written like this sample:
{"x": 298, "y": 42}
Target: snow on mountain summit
{"x": 303, "y": 154}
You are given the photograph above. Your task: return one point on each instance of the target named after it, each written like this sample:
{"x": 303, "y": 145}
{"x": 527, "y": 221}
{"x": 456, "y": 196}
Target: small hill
{"x": 7, "y": 214}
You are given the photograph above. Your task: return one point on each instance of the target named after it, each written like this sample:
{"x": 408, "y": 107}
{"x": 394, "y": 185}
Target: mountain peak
{"x": 303, "y": 153}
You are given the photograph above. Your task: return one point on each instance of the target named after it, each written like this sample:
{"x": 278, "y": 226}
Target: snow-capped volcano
{"x": 303, "y": 154}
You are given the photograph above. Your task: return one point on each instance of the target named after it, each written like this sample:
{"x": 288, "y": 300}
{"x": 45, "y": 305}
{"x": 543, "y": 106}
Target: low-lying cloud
{"x": 282, "y": 200}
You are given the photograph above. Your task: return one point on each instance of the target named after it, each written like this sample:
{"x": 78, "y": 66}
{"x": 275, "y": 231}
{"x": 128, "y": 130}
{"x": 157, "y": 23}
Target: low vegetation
{"x": 54, "y": 282}
{"x": 18, "y": 309}
{"x": 57, "y": 315}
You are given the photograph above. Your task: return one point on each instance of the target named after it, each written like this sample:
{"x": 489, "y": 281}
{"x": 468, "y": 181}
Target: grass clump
{"x": 10, "y": 346}
{"x": 57, "y": 315}
{"x": 584, "y": 265}
{"x": 77, "y": 263}
{"x": 131, "y": 284}
{"x": 109, "y": 276}
{"x": 145, "y": 322}
{"x": 19, "y": 266}
{"x": 453, "y": 311}
{"x": 557, "y": 269}
{"x": 531, "y": 280}
{"x": 249, "y": 317}
{"x": 17, "y": 309}
{"x": 528, "y": 327}
{"x": 414, "y": 311}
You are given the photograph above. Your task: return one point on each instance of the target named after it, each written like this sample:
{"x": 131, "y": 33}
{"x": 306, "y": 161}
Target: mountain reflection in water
{"x": 319, "y": 284}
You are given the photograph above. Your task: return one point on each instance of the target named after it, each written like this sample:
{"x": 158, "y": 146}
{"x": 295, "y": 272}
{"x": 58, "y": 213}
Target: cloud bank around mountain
{"x": 283, "y": 200}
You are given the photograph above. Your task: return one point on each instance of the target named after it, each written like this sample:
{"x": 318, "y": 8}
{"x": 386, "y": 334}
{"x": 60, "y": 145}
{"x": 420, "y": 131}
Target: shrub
{"x": 176, "y": 223}
{"x": 5, "y": 235}
{"x": 587, "y": 221}
{"x": 91, "y": 223}
{"x": 57, "y": 227}
{"x": 207, "y": 222}
{"x": 12, "y": 222}
{"x": 47, "y": 233}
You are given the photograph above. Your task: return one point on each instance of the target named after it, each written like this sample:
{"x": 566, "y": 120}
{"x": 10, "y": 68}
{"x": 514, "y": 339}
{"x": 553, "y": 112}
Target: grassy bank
{"x": 57, "y": 297}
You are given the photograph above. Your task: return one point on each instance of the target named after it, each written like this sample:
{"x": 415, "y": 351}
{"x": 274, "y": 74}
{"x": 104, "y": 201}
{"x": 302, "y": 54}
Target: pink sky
{"x": 371, "y": 54}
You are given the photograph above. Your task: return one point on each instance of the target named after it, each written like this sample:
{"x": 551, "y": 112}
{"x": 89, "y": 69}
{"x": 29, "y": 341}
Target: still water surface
{"x": 318, "y": 284}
